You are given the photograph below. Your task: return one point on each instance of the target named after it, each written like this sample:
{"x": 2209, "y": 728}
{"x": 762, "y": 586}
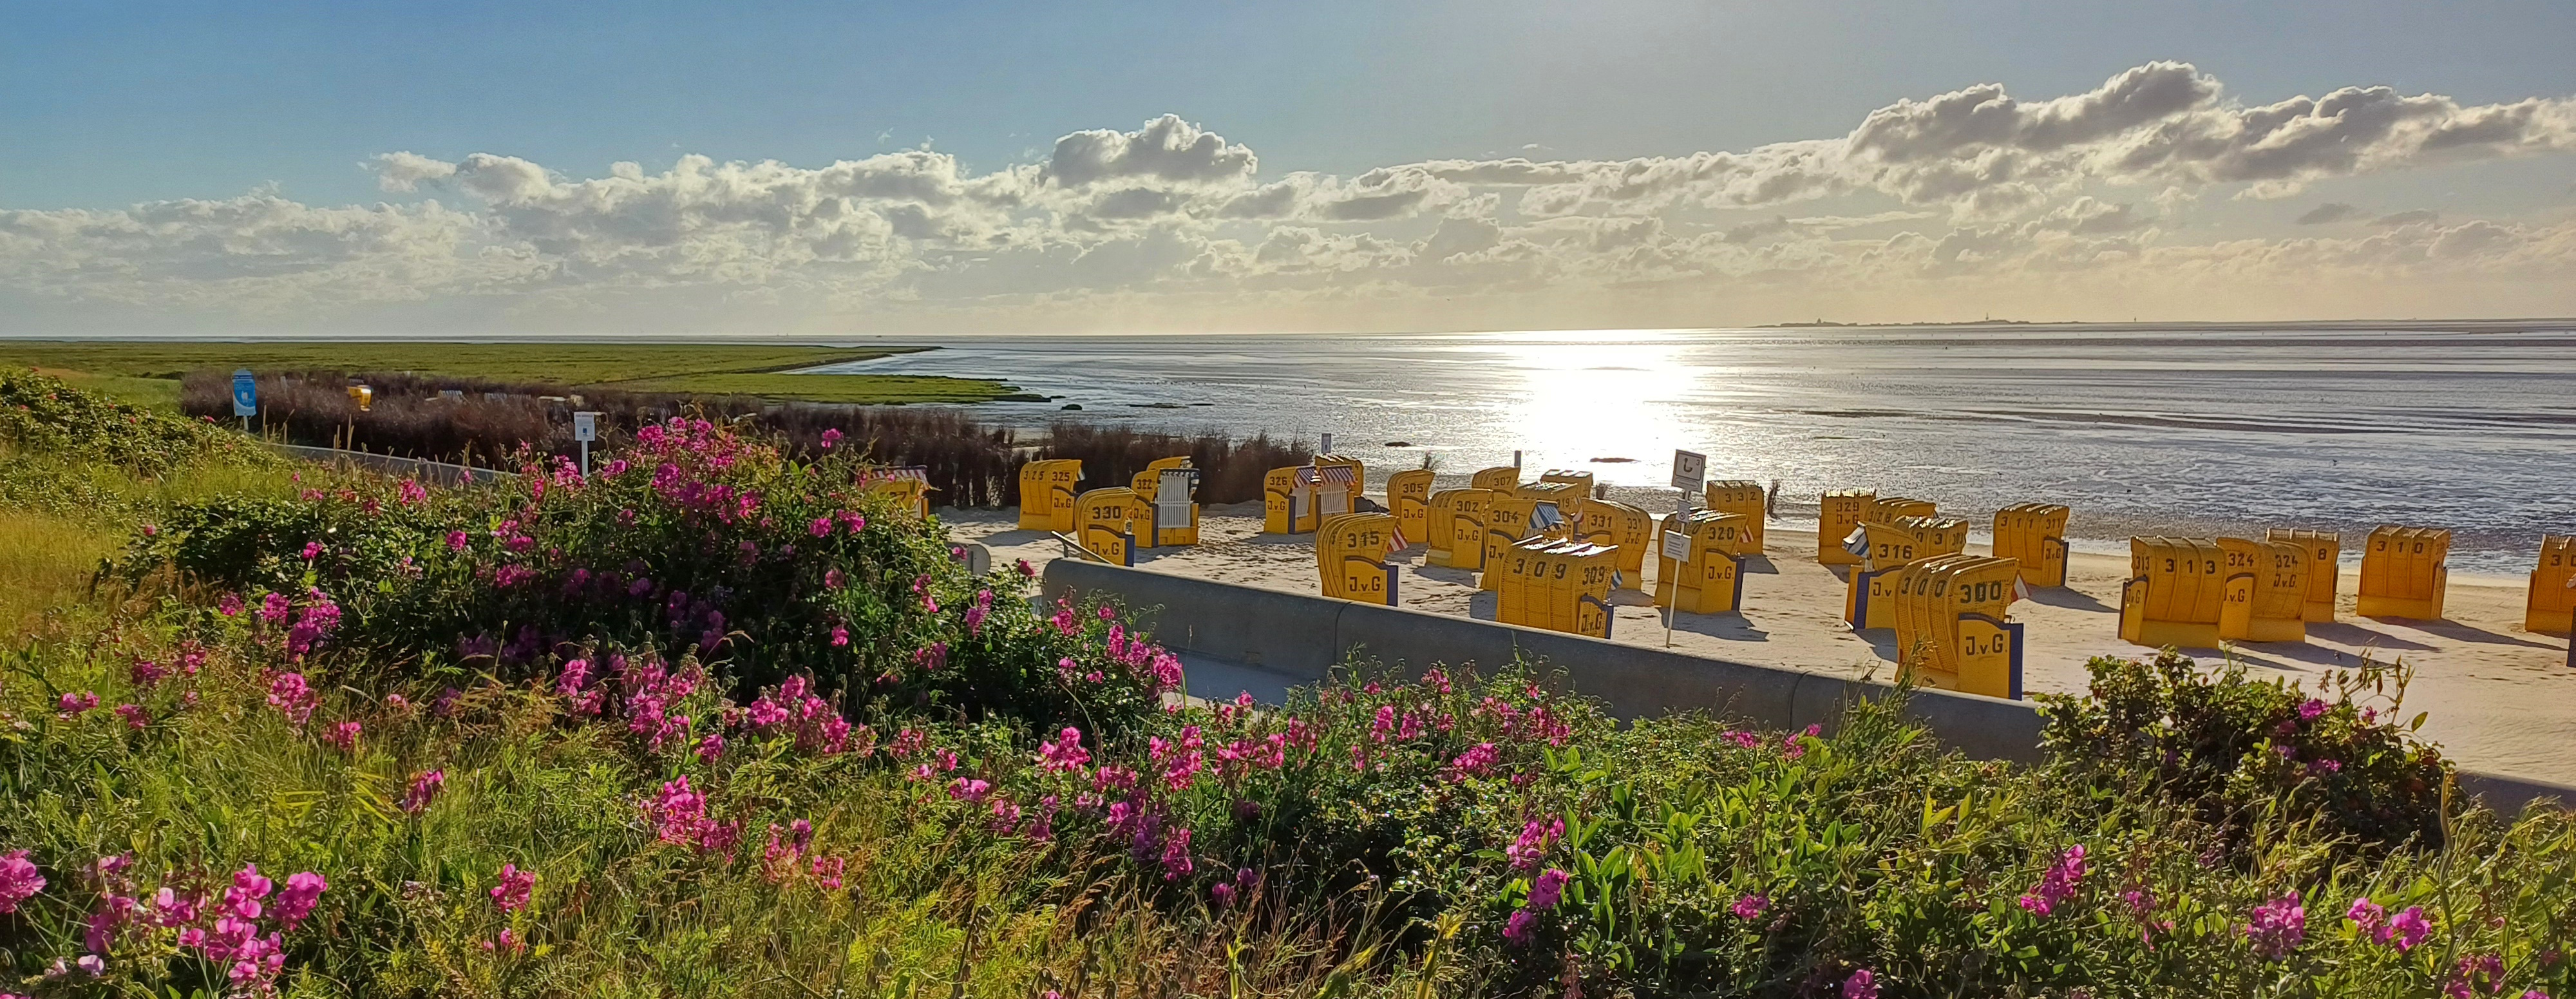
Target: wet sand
{"x": 2499, "y": 698}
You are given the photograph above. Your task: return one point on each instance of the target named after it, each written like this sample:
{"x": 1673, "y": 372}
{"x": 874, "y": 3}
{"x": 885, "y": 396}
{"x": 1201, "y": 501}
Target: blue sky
{"x": 111, "y": 106}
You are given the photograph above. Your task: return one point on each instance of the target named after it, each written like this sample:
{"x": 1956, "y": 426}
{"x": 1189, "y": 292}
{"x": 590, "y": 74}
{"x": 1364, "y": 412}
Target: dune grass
{"x": 853, "y": 389}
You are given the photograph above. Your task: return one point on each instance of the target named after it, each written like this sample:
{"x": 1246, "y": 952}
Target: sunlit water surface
{"x": 2140, "y": 430}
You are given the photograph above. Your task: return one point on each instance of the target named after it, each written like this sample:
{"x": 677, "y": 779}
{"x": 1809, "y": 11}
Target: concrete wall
{"x": 1303, "y": 637}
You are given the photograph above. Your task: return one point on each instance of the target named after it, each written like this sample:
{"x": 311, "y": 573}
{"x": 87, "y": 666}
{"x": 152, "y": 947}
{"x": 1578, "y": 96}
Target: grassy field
{"x": 148, "y": 373}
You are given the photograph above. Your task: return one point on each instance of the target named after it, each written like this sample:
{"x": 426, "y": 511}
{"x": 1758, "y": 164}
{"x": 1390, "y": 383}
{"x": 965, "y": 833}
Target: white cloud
{"x": 1993, "y": 188}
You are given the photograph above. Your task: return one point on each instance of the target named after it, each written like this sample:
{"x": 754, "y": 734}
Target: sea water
{"x": 2193, "y": 430}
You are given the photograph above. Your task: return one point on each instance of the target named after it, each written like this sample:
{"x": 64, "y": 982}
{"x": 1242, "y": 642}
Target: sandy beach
{"x": 2498, "y": 698}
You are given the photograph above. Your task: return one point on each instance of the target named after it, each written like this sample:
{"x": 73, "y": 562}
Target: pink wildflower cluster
{"x": 424, "y": 789}
{"x": 2277, "y": 927}
{"x": 2404, "y": 932}
{"x": 512, "y": 891}
{"x": 818, "y": 727}
{"x": 2062, "y": 880}
{"x": 679, "y": 817}
{"x": 292, "y": 697}
{"x": 1533, "y": 843}
{"x": 651, "y": 693}
{"x": 1544, "y": 892}
{"x": 19, "y": 880}
{"x": 314, "y": 623}
{"x": 252, "y": 951}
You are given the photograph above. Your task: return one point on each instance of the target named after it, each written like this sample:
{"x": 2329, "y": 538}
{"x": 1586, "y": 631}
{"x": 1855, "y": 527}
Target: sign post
{"x": 1690, "y": 471}
{"x": 245, "y": 396}
{"x": 585, "y": 429}
{"x": 1325, "y": 446}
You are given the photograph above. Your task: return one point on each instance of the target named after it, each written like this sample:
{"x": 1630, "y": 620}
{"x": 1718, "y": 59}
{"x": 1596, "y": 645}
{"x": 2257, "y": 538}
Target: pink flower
{"x": 2277, "y": 927}
{"x": 424, "y": 787}
{"x": 2368, "y": 919}
{"x": 1524, "y": 853}
{"x": 511, "y": 894}
{"x": 1478, "y": 761}
{"x": 72, "y": 705}
{"x": 229, "y": 605}
{"x": 1518, "y": 930}
{"x": 1863, "y": 984}
{"x": 303, "y": 892}
{"x": 455, "y": 541}
{"x": 19, "y": 880}
{"x": 831, "y": 437}
{"x": 2058, "y": 885}
{"x": 2309, "y": 710}
{"x": 311, "y": 549}
{"x": 840, "y": 636}
{"x": 821, "y": 527}
{"x": 1176, "y": 856}
{"x": 2407, "y": 930}
{"x": 288, "y": 693}
{"x": 1065, "y": 753}
{"x": 1544, "y": 892}
{"x": 343, "y": 737}
{"x": 969, "y": 790}
{"x": 1750, "y": 907}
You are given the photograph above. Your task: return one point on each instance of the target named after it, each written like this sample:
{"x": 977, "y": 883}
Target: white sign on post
{"x": 1689, "y": 470}
{"x": 585, "y": 428}
{"x": 1326, "y": 447}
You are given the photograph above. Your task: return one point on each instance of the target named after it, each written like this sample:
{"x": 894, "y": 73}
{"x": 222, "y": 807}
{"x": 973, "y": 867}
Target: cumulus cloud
{"x": 1974, "y": 183}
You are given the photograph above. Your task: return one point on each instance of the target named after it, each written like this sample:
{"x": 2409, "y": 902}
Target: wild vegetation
{"x": 151, "y": 373}
{"x": 714, "y": 721}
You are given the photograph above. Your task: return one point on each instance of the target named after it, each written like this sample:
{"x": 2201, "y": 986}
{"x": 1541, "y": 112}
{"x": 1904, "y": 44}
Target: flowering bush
{"x": 694, "y": 538}
{"x": 2236, "y": 748}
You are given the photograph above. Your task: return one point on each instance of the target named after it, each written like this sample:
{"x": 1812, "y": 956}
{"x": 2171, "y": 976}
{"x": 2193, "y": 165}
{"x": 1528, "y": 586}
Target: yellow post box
{"x": 2324, "y": 550}
{"x": 1838, "y": 513}
{"x": 1408, "y": 497}
{"x": 2402, "y": 573}
{"x": 1458, "y": 528}
{"x": 1505, "y": 480}
{"x": 2173, "y": 593}
{"x": 2552, "y": 604}
{"x": 2033, "y": 535}
{"x": 1741, "y": 497}
{"x": 1350, "y": 550}
{"x": 1106, "y": 522}
{"x": 1046, "y": 494}
{"x": 2263, "y": 591}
